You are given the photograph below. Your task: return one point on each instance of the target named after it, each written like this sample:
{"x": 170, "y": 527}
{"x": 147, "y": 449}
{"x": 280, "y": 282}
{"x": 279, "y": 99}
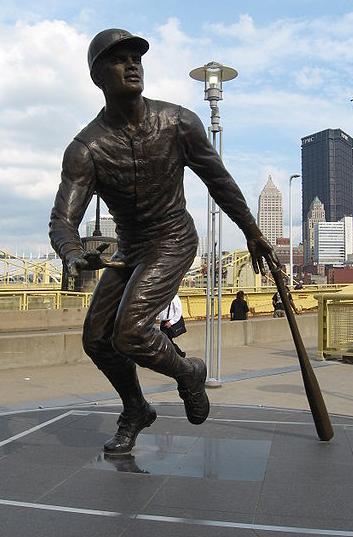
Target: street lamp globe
{"x": 213, "y": 74}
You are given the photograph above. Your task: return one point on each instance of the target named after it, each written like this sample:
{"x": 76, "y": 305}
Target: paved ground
{"x": 255, "y": 467}
{"x": 252, "y": 375}
{"x": 245, "y": 472}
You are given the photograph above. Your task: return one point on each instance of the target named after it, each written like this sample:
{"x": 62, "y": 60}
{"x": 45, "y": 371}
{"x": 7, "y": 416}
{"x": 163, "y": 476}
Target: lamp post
{"x": 291, "y": 230}
{"x": 213, "y": 75}
{"x": 97, "y": 228}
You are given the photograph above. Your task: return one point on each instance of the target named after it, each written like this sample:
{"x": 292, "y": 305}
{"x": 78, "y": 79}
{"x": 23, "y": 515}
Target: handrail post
{"x": 320, "y": 327}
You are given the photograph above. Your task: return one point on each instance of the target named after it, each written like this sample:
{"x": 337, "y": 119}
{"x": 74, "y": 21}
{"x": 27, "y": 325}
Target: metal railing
{"x": 193, "y": 300}
{"x": 335, "y": 325}
{"x": 39, "y": 300}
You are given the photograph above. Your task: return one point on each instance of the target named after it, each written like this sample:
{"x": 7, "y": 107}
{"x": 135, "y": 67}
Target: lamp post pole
{"x": 97, "y": 228}
{"x": 291, "y": 230}
{"x": 213, "y": 74}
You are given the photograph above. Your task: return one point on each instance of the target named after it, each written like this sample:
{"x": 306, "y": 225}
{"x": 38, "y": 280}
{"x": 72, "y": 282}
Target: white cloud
{"x": 171, "y": 57}
{"x": 44, "y": 64}
{"x": 260, "y": 47}
{"x": 294, "y": 79}
{"x": 29, "y": 173}
{"x": 45, "y": 94}
{"x": 244, "y": 30}
{"x": 311, "y": 77}
{"x": 30, "y": 183}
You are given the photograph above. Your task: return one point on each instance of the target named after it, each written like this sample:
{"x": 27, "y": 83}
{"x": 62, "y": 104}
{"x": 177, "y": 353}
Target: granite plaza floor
{"x": 255, "y": 468}
{"x": 247, "y": 471}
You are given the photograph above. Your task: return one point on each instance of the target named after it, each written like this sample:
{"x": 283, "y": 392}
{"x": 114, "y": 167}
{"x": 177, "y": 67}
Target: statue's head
{"x": 114, "y": 57}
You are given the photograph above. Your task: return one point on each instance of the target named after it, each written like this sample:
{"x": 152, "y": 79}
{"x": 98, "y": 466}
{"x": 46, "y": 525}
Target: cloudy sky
{"x": 295, "y": 63}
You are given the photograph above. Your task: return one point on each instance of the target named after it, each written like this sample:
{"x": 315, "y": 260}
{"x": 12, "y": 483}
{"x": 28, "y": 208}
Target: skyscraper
{"x": 107, "y": 227}
{"x": 270, "y": 212}
{"x": 333, "y": 241}
{"x": 327, "y": 172}
{"x": 202, "y": 247}
{"x": 316, "y": 214}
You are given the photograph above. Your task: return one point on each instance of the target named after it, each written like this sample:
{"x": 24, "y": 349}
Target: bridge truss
{"x": 15, "y": 270}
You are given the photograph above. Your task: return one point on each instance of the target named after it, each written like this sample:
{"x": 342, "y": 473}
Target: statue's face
{"x": 122, "y": 71}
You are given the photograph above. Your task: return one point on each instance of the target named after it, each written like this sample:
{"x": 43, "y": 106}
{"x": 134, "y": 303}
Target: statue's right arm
{"x": 76, "y": 189}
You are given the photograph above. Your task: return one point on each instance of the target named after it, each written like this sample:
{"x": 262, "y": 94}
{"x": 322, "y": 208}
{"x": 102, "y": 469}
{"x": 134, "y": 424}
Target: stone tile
{"x": 299, "y": 521}
{"x": 111, "y": 491}
{"x": 25, "y": 482}
{"x": 10, "y": 427}
{"x": 17, "y": 521}
{"x": 295, "y": 442}
{"x": 311, "y": 500}
{"x": 308, "y": 471}
{"x": 205, "y": 513}
{"x": 230, "y": 496}
{"x": 218, "y": 459}
{"x": 149, "y": 528}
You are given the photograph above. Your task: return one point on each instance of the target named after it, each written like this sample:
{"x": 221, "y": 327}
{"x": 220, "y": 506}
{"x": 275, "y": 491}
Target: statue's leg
{"x": 97, "y": 333}
{"x": 118, "y": 368}
{"x": 149, "y": 290}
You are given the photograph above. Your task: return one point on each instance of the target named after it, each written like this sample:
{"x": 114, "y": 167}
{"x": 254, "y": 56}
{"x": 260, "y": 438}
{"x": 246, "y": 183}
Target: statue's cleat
{"x": 128, "y": 428}
{"x": 192, "y": 391}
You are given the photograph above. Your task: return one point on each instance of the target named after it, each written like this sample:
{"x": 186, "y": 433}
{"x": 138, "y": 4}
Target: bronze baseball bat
{"x": 106, "y": 263}
{"x": 311, "y": 385}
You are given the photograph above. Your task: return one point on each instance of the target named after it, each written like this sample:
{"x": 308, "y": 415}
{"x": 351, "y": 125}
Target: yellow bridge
{"x": 16, "y": 271}
{"x": 27, "y": 284}
{"x": 193, "y": 300}
{"x": 34, "y": 284}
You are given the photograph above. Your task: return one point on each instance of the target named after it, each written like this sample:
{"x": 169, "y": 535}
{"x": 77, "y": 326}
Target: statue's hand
{"x": 260, "y": 248}
{"x": 76, "y": 264}
{"x": 92, "y": 260}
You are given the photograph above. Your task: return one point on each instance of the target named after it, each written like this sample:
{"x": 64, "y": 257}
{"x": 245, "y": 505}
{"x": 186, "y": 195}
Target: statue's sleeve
{"x": 75, "y": 192}
{"x": 204, "y": 160}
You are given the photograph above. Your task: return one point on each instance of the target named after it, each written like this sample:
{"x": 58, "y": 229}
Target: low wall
{"x": 39, "y": 320}
{"x": 57, "y": 342}
{"x": 251, "y": 332}
{"x": 38, "y": 349}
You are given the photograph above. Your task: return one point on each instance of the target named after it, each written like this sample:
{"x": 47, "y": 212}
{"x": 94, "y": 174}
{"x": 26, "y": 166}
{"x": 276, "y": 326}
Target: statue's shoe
{"x": 192, "y": 391}
{"x": 128, "y": 428}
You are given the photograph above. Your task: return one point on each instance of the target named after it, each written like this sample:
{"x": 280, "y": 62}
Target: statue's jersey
{"x": 140, "y": 178}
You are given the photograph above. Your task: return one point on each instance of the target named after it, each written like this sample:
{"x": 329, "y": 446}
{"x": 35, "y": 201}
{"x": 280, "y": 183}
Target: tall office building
{"x": 107, "y": 227}
{"x": 270, "y": 212}
{"x": 327, "y": 172}
{"x": 315, "y": 215}
{"x": 333, "y": 241}
{"x": 348, "y": 237}
{"x": 329, "y": 243}
{"x": 202, "y": 248}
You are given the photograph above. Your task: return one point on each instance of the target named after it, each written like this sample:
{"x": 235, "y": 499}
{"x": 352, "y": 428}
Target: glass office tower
{"x": 327, "y": 172}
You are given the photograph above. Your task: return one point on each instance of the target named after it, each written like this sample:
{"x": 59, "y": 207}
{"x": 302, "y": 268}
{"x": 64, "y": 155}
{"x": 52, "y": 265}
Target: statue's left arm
{"x": 204, "y": 160}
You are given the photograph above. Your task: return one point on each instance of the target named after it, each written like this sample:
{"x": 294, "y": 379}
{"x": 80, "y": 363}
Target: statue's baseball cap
{"x": 107, "y": 39}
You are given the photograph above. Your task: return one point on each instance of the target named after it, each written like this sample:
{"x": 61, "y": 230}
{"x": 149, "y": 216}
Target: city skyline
{"x": 281, "y": 93}
{"x": 88, "y": 223}
{"x": 270, "y": 211}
